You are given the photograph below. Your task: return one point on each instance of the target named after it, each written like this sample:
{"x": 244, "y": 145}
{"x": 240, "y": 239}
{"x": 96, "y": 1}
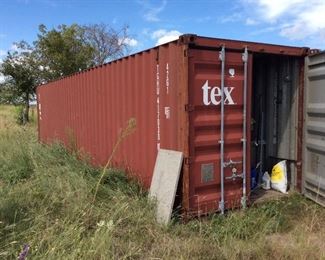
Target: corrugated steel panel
{"x": 275, "y": 102}
{"x": 162, "y": 89}
{"x": 205, "y": 122}
{"x": 314, "y": 142}
{"x": 91, "y": 108}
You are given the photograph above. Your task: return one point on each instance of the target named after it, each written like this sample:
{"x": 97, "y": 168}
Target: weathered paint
{"x": 91, "y": 108}
{"x": 236, "y": 45}
{"x": 314, "y": 145}
{"x": 205, "y": 120}
{"x": 162, "y": 89}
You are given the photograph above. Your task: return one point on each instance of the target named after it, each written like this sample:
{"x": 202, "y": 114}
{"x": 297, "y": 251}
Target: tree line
{"x": 56, "y": 53}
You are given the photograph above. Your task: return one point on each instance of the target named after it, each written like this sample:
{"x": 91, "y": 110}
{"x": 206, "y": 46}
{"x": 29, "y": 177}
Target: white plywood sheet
{"x": 164, "y": 182}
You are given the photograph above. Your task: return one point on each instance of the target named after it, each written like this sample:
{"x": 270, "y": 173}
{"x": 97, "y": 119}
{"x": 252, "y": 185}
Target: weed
{"x": 19, "y": 115}
{"x": 46, "y": 193}
{"x": 124, "y": 134}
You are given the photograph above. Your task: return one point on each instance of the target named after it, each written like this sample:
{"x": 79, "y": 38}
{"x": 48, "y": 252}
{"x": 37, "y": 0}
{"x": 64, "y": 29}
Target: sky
{"x": 287, "y": 22}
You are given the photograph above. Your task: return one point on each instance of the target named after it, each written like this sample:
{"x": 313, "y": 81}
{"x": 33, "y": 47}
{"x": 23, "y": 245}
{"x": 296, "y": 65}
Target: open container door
{"x": 314, "y": 139}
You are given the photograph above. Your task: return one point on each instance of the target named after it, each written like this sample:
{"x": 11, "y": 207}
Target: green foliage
{"x": 8, "y": 95}
{"x": 46, "y": 193}
{"x": 62, "y": 51}
{"x": 250, "y": 224}
{"x": 68, "y": 49}
{"x": 56, "y": 53}
{"x": 21, "y": 68}
{"x": 19, "y": 115}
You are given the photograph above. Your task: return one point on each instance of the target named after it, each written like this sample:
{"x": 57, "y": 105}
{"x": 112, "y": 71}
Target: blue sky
{"x": 289, "y": 22}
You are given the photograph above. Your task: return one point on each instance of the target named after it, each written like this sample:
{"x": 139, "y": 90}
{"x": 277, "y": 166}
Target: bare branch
{"x": 108, "y": 43}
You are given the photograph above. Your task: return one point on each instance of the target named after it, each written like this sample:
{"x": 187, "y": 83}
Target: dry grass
{"x": 46, "y": 193}
{"x": 6, "y": 116}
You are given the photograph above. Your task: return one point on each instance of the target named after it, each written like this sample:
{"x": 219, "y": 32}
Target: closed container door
{"x": 205, "y": 113}
{"x": 314, "y": 141}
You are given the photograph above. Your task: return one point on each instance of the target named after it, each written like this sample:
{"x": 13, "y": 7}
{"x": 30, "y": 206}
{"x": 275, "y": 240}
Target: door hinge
{"x": 187, "y": 160}
{"x": 189, "y": 107}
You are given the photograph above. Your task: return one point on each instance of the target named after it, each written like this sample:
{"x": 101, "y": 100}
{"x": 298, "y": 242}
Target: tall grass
{"x": 46, "y": 193}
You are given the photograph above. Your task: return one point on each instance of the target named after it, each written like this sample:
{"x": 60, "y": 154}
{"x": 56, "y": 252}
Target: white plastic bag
{"x": 279, "y": 177}
{"x": 266, "y": 181}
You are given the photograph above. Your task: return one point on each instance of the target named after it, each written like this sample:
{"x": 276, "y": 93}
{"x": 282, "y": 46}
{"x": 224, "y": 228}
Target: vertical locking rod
{"x": 244, "y": 140}
{"x": 222, "y": 199}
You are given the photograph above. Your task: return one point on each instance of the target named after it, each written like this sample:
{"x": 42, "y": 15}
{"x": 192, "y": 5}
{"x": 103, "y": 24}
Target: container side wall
{"x": 87, "y": 111}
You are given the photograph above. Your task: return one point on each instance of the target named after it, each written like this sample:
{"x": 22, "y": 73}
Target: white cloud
{"x": 309, "y": 23}
{"x": 273, "y": 9}
{"x": 128, "y": 41}
{"x": 250, "y": 21}
{"x": 163, "y": 36}
{"x": 131, "y": 42}
{"x": 296, "y": 19}
{"x": 152, "y": 12}
{"x": 3, "y": 53}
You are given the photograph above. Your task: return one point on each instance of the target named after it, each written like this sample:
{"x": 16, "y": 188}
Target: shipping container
{"x": 229, "y": 106}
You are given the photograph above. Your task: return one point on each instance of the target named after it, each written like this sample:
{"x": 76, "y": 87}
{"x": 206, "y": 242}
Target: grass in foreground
{"x": 46, "y": 194}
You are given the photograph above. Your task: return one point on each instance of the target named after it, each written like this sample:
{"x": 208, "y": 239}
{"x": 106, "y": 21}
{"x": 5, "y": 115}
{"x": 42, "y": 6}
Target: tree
{"x": 63, "y": 51}
{"x": 68, "y": 49}
{"x": 107, "y": 42}
{"x": 56, "y": 53}
{"x": 21, "y": 71}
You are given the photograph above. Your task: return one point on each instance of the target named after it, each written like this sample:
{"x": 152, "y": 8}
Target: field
{"x": 47, "y": 202}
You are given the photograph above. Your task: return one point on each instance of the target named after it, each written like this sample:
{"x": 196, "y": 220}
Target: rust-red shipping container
{"x": 229, "y": 106}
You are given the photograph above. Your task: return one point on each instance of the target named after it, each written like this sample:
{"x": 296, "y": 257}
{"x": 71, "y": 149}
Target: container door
{"x": 209, "y": 70}
{"x": 314, "y": 141}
